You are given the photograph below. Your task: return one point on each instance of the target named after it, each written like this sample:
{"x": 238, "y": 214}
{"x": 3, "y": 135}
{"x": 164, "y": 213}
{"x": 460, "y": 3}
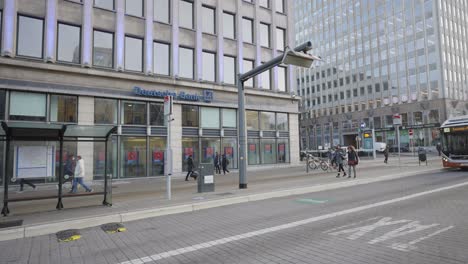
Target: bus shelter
{"x": 41, "y": 158}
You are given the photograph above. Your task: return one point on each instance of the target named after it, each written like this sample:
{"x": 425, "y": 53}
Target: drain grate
{"x": 225, "y": 194}
{"x": 68, "y": 235}
{"x": 113, "y": 228}
{"x": 12, "y": 223}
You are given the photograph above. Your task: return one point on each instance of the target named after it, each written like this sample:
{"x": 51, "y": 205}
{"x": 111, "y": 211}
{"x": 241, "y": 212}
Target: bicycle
{"x": 312, "y": 162}
{"x": 326, "y": 165}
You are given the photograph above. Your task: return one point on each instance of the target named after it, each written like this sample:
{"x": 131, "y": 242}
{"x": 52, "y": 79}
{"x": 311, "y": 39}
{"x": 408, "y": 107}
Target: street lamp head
{"x": 299, "y": 59}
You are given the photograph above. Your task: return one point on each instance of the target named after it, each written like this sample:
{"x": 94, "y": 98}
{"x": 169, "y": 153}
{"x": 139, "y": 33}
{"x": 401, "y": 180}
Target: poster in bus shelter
{"x": 64, "y": 156}
{"x": 158, "y": 156}
{"x": 252, "y": 148}
{"x": 281, "y": 148}
{"x": 132, "y": 157}
{"x": 228, "y": 151}
{"x": 209, "y": 151}
{"x": 188, "y": 152}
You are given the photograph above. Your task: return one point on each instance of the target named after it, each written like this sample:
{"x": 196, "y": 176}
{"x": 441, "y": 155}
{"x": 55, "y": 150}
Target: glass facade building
{"x": 381, "y": 58}
{"x": 112, "y": 62}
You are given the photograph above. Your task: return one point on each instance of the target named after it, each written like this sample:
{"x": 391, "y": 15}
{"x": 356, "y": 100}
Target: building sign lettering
{"x": 206, "y": 96}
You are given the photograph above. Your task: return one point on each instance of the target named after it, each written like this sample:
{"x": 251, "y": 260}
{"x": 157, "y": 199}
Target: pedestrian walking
{"x": 217, "y": 161}
{"x": 225, "y": 163}
{"x": 79, "y": 175}
{"x": 23, "y": 181}
{"x": 439, "y": 148}
{"x": 339, "y": 158}
{"x": 69, "y": 169}
{"x": 189, "y": 167}
{"x": 385, "y": 153}
{"x": 353, "y": 160}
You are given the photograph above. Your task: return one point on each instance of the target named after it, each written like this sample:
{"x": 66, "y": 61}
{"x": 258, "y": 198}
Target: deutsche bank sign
{"x": 206, "y": 96}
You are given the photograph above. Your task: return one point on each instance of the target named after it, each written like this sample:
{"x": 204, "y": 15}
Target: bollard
{"x": 307, "y": 164}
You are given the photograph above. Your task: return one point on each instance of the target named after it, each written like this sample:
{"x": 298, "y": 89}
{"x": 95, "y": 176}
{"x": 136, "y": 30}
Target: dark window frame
{"x": 17, "y": 35}
{"x": 170, "y": 57}
{"x": 213, "y": 8}
{"x": 169, "y": 5}
{"x": 142, "y": 53}
{"x": 46, "y": 115}
{"x": 113, "y": 6}
{"x": 215, "y": 65}
{"x": 193, "y": 61}
{"x": 113, "y": 49}
{"x": 142, "y": 9}
{"x": 49, "y": 107}
{"x": 57, "y": 42}
{"x": 234, "y": 24}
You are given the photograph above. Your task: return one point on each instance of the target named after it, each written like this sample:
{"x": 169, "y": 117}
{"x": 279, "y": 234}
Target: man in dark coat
{"x": 385, "y": 153}
{"x": 225, "y": 163}
{"x": 189, "y": 167}
{"x": 217, "y": 161}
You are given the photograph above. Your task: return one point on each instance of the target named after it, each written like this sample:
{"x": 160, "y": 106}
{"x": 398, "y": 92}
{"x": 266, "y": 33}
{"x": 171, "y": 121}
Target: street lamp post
{"x": 293, "y": 57}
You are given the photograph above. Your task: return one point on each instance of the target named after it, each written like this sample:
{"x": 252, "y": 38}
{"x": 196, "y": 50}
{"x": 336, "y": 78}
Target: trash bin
{"x": 206, "y": 178}
{"x": 422, "y": 154}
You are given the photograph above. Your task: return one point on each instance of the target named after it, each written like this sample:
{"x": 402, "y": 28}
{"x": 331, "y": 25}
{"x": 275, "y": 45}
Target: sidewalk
{"x": 141, "y": 198}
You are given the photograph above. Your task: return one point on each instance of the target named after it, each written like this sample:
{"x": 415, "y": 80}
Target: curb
{"x": 50, "y": 228}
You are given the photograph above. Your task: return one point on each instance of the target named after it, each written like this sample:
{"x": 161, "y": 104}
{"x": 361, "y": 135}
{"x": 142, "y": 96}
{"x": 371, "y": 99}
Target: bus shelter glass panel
{"x": 190, "y": 147}
{"x": 157, "y": 155}
{"x": 283, "y": 150}
{"x": 210, "y": 146}
{"x": 253, "y": 151}
{"x": 268, "y": 147}
{"x": 132, "y": 157}
{"x": 229, "y": 147}
{"x": 99, "y": 149}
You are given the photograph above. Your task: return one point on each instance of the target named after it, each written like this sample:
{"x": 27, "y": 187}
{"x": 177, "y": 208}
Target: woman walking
{"x": 353, "y": 160}
{"x": 339, "y": 158}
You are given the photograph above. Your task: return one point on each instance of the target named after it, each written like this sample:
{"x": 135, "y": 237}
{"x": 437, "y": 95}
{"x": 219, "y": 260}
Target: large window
{"x": 103, "y": 49}
{"x": 279, "y": 6}
{"x": 229, "y": 70}
{"x": 283, "y": 150}
{"x": 107, "y": 4}
{"x": 253, "y": 151}
{"x": 267, "y": 121}
{"x": 30, "y": 32}
{"x": 252, "y": 120}
{"x": 133, "y": 157}
{"x": 265, "y": 35}
{"x": 264, "y": 3}
{"x": 63, "y": 108}
{"x": 157, "y": 155}
{"x": 27, "y": 106}
{"x": 105, "y": 111}
{"x": 247, "y": 30}
{"x": 209, "y": 66}
{"x": 186, "y": 63}
{"x": 68, "y": 44}
{"x": 209, "y": 117}
{"x": 161, "y": 10}
{"x": 134, "y": 7}
{"x": 268, "y": 148}
{"x": 161, "y": 58}
{"x": 280, "y": 37}
{"x": 282, "y": 122}
{"x": 208, "y": 20}
{"x": 189, "y": 116}
{"x": 133, "y": 54}
{"x": 229, "y": 148}
{"x": 229, "y": 29}
{"x": 157, "y": 114}
{"x": 229, "y": 118}
{"x": 266, "y": 79}
{"x": 248, "y": 65}
{"x": 210, "y": 146}
{"x": 133, "y": 113}
{"x": 190, "y": 147}
{"x": 282, "y": 79}
{"x": 186, "y": 14}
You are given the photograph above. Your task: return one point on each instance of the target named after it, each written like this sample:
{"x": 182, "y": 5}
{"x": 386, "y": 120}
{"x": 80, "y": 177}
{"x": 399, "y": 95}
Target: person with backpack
{"x": 385, "y": 153}
{"x": 339, "y": 159}
{"x": 189, "y": 167}
{"x": 225, "y": 163}
{"x": 353, "y": 160}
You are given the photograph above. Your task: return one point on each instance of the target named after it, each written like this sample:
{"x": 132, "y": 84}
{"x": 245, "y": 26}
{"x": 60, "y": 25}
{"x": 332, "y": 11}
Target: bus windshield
{"x": 455, "y": 143}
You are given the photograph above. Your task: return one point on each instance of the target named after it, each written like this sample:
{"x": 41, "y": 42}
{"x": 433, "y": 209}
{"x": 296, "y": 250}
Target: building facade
{"x": 101, "y": 62}
{"x": 381, "y": 58}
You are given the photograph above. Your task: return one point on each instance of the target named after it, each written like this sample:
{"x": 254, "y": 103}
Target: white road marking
{"x": 402, "y": 231}
{"x": 352, "y": 224}
{"x": 410, "y": 245}
{"x": 289, "y": 225}
{"x": 357, "y": 232}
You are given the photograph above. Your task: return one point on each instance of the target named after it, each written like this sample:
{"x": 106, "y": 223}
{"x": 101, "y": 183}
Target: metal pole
{"x": 168, "y": 159}
{"x": 5, "y": 210}
{"x": 105, "y": 174}
{"x": 373, "y": 144}
{"x": 242, "y": 135}
{"x": 59, "y": 203}
{"x": 398, "y": 142}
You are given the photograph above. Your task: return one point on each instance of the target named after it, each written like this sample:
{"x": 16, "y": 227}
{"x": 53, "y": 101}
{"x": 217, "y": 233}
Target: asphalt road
{"x": 418, "y": 219}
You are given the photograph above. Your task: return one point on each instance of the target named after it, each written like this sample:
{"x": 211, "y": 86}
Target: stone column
{"x": 86, "y": 149}
{"x": 120, "y": 35}
{"x": 175, "y": 38}
{"x": 51, "y": 30}
{"x": 198, "y": 41}
{"x": 294, "y": 139}
{"x": 220, "y": 41}
{"x": 148, "y": 37}
{"x": 87, "y": 34}
{"x": 176, "y": 138}
{"x": 258, "y": 48}
{"x": 9, "y": 26}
